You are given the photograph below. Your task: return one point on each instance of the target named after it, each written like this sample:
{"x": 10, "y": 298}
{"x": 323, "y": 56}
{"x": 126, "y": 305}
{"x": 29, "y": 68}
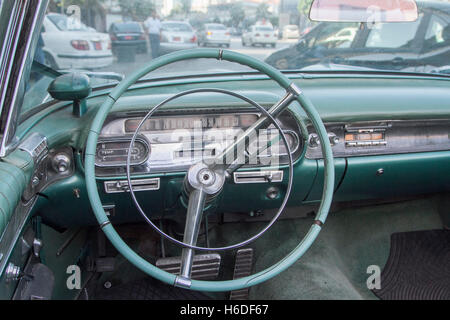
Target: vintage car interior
{"x": 149, "y": 185}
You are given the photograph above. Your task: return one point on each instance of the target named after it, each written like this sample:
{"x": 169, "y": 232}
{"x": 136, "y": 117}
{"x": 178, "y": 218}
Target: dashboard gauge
{"x": 179, "y": 140}
{"x": 114, "y": 152}
{"x": 215, "y": 121}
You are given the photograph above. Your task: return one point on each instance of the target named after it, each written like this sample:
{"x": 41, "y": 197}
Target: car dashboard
{"x": 388, "y": 138}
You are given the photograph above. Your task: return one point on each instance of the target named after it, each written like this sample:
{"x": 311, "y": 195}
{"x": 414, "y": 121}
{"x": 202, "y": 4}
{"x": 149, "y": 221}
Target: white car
{"x": 214, "y": 34}
{"x": 259, "y": 34}
{"x": 291, "y": 31}
{"x": 69, "y": 44}
{"x": 342, "y": 39}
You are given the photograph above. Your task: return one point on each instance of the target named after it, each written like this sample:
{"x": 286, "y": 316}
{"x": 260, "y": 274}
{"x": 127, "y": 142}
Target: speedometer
{"x": 113, "y": 152}
{"x": 179, "y": 140}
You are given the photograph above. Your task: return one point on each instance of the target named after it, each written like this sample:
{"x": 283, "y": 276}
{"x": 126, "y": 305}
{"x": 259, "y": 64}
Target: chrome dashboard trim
{"x": 400, "y": 137}
{"x": 36, "y": 145}
{"x": 243, "y": 177}
{"x": 123, "y": 139}
{"x": 118, "y": 186}
{"x": 160, "y": 143}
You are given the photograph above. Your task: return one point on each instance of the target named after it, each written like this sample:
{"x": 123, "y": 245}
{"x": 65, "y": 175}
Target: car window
{"x": 127, "y": 27}
{"x": 65, "y": 23}
{"x": 335, "y": 35}
{"x": 435, "y": 35}
{"x": 314, "y": 45}
{"x": 176, "y": 27}
{"x": 216, "y": 27}
{"x": 264, "y": 29}
{"x": 393, "y": 35}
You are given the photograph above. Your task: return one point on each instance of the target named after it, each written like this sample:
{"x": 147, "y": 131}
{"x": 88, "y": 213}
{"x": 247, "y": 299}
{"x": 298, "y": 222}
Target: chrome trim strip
{"x": 104, "y": 224}
{"x": 118, "y": 186}
{"x": 296, "y": 91}
{"x": 123, "y": 139}
{"x": 36, "y": 145}
{"x": 7, "y": 142}
{"x": 240, "y": 177}
{"x": 182, "y": 282}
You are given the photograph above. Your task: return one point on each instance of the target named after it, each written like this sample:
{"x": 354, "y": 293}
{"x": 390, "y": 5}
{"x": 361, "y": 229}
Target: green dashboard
{"x": 410, "y": 156}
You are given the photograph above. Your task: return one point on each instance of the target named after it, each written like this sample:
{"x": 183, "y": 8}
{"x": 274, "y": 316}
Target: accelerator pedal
{"x": 204, "y": 267}
{"x": 242, "y": 268}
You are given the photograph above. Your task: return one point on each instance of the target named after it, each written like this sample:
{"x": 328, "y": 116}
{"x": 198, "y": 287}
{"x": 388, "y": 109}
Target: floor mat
{"x": 146, "y": 289}
{"x": 418, "y": 267}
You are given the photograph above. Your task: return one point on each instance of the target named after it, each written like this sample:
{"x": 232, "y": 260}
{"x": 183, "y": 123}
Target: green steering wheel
{"x": 292, "y": 93}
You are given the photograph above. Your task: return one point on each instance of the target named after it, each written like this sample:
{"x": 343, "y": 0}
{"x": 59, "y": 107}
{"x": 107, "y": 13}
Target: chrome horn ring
{"x": 272, "y": 120}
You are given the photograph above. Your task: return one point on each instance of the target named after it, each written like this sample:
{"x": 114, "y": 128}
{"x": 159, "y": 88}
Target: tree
{"x": 304, "y": 6}
{"x": 138, "y": 10}
{"x": 186, "y": 6}
{"x": 237, "y": 14}
{"x": 262, "y": 11}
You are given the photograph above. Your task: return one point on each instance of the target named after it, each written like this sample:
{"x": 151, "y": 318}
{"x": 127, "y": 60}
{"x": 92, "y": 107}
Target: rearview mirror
{"x": 370, "y": 11}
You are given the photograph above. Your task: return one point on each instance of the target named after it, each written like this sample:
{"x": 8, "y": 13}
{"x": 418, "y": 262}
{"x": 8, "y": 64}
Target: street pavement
{"x": 198, "y": 65}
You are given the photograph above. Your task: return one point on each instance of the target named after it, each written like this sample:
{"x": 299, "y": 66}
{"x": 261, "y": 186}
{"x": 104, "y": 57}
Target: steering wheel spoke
{"x": 251, "y": 133}
{"x": 194, "y": 217}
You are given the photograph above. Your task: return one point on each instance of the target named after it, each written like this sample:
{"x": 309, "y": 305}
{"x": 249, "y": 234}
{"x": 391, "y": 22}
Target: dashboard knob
{"x": 313, "y": 140}
{"x": 334, "y": 139}
{"x": 61, "y": 163}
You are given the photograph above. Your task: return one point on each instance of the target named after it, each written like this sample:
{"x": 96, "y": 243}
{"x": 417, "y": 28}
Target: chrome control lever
{"x": 193, "y": 220}
{"x": 201, "y": 185}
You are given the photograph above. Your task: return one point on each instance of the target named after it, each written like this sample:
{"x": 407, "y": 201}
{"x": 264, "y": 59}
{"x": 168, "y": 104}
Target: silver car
{"x": 177, "y": 35}
{"x": 214, "y": 34}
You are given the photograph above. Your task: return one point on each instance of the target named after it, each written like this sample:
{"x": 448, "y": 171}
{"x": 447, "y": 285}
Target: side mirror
{"x": 72, "y": 87}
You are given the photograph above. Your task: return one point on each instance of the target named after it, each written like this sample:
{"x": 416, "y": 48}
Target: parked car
{"x": 259, "y": 34}
{"x": 419, "y": 46}
{"x": 177, "y": 35}
{"x": 126, "y": 35}
{"x": 71, "y": 44}
{"x": 291, "y": 31}
{"x": 214, "y": 34}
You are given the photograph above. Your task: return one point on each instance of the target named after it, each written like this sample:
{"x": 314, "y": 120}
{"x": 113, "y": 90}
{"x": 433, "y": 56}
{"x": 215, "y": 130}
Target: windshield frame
{"x": 28, "y": 19}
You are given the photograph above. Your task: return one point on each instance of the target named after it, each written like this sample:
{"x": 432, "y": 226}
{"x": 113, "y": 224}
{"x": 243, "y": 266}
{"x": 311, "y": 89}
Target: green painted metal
{"x": 147, "y": 267}
{"x": 338, "y": 99}
{"x": 70, "y": 86}
{"x": 403, "y": 174}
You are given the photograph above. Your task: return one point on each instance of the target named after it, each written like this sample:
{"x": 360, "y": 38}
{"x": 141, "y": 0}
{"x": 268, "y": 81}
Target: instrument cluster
{"x": 172, "y": 142}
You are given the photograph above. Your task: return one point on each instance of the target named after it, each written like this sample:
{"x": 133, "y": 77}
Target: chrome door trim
{"x": 18, "y": 31}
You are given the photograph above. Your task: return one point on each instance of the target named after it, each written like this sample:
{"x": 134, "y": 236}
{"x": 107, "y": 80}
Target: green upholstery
{"x": 15, "y": 173}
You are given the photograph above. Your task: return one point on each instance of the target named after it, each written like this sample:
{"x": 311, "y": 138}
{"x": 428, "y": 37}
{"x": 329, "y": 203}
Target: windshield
{"x": 76, "y": 35}
{"x": 216, "y": 27}
{"x": 175, "y": 26}
{"x": 263, "y": 28}
{"x": 65, "y": 23}
{"x": 126, "y": 27}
